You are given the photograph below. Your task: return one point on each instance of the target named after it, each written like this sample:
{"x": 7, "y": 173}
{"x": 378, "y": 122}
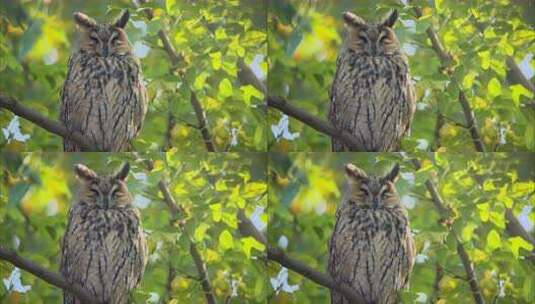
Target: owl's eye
{"x": 93, "y": 39}
{"x": 364, "y": 191}
{"x": 363, "y": 38}
{"x": 383, "y": 38}
{"x": 94, "y": 192}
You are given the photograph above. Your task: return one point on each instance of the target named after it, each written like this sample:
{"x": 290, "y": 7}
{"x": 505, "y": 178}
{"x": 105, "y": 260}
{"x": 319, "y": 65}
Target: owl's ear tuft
{"x": 84, "y": 173}
{"x": 353, "y": 20}
{"x": 354, "y": 173}
{"x": 391, "y": 19}
{"x": 84, "y": 21}
{"x": 393, "y": 175}
{"x": 122, "y": 20}
{"x": 122, "y": 173}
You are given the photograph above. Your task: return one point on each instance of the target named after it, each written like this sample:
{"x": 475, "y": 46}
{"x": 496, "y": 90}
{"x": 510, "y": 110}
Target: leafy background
{"x": 37, "y": 188}
{"x": 305, "y": 188}
{"x": 304, "y": 38}
{"x": 36, "y": 39}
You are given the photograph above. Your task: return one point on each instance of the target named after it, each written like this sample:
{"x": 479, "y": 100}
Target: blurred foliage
{"x": 305, "y": 188}
{"x": 36, "y": 38}
{"x": 304, "y": 38}
{"x": 37, "y": 190}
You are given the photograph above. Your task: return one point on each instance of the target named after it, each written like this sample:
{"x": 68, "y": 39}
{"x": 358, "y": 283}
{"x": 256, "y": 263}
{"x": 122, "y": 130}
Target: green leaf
{"x": 518, "y": 242}
{"x": 200, "y": 81}
{"x": 225, "y": 88}
{"x": 250, "y": 243}
{"x": 518, "y": 90}
{"x": 468, "y": 231}
{"x": 504, "y": 197}
{"x": 225, "y": 240}
{"x": 493, "y": 240}
{"x": 16, "y": 193}
{"x": 200, "y": 232}
{"x": 484, "y": 57}
{"x": 169, "y": 5}
{"x": 468, "y": 80}
{"x": 483, "y": 209}
{"x": 249, "y": 91}
{"x": 216, "y": 60}
{"x": 220, "y": 34}
{"x": 216, "y": 212}
{"x": 494, "y": 88}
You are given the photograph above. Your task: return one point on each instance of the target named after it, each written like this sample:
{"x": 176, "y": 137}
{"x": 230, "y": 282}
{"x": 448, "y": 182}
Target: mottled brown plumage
{"x": 103, "y": 96}
{"x": 104, "y": 248}
{"x": 371, "y": 247}
{"x": 372, "y": 96}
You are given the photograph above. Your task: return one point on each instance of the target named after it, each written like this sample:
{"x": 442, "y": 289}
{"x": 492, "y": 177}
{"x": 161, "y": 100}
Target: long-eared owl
{"x": 372, "y": 95}
{"x": 103, "y": 96}
{"x": 104, "y": 248}
{"x": 371, "y": 247}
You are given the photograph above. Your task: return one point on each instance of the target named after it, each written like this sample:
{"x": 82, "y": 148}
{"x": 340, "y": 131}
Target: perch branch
{"x": 444, "y": 211}
{"x": 314, "y": 122}
{"x": 51, "y": 126}
{"x": 446, "y": 59}
{"x": 247, "y": 76}
{"x": 48, "y": 276}
{"x": 175, "y": 58}
{"x": 247, "y": 228}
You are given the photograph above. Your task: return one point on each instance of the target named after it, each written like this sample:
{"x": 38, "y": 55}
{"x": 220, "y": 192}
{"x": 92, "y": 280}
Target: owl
{"x": 104, "y": 248}
{"x": 103, "y": 96}
{"x": 372, "y": 96}
{"x": 371, "y": 248}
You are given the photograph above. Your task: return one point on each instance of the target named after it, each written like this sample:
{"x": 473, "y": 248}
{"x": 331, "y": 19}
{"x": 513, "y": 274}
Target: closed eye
{"x": 95, "y": 192}
{"x": 364, "y": 190}
{"x": 94, "y": 39}
{"x": 363, "y": 38}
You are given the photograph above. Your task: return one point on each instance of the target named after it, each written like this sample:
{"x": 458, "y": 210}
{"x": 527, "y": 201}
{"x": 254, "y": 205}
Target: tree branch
{"x": 48, "y": 276}
{"x": 177, "y": 209}
{"x": 319, "y": 125}
{"x": 514, "y": 228}
{"x": 446, "y": 59}
{"x": 175, "y": 59}
{"x": 444, "y": 211}
{"x": 51, "y": 126}
{"x": 517, "y": 75}
{"x": 247, "y": 228}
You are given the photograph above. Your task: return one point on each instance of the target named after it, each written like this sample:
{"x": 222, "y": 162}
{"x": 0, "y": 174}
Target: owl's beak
{"x": 105, "y": 51}
{"x": 105, "y": 202}
{"x": 375, "y": 203}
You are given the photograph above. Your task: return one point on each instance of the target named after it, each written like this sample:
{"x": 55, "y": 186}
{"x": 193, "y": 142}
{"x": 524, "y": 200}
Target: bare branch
{"x": 444, "y": 211}
{"x": 48, "y": 276}
{"x": 51, "y": 126}
{"x": 247, "y": 228}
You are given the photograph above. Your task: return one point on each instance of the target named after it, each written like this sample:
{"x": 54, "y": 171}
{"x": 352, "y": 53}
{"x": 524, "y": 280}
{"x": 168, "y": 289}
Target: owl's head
{"x": 106, "y": 191}
{"x": 372, "y": 191}
{"x": 103, "y": 39}
{"x": 371, "y": 39}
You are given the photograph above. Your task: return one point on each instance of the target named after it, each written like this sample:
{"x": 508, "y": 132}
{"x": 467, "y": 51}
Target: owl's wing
{"x": 74, "y": 107}
{"x": 335, "y": 105}
{"x": 410, "y": 96}
{"x": 410, "y": 253}
{"x": 71, "y": 250}
{"x": 140, "y": 254}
